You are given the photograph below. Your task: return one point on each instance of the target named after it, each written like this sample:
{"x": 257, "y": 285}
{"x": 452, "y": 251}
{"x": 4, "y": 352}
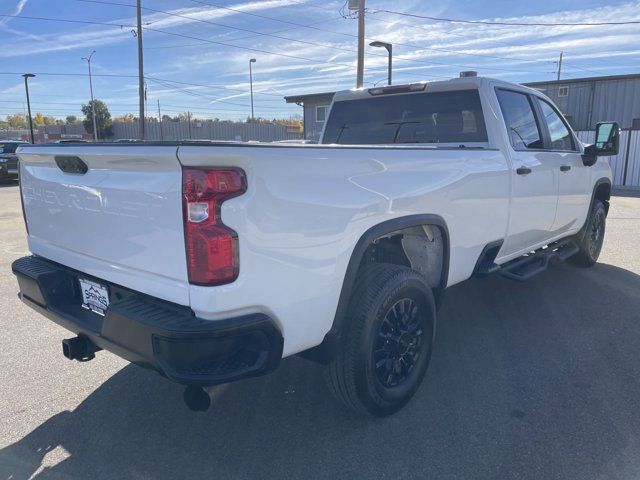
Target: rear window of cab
{"x": 453, "y": 117}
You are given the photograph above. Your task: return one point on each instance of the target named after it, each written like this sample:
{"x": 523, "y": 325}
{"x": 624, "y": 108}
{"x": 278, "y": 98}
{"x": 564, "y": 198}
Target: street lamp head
{"x": 88, "y": 59}
{"x": 253, "y": 60}
{"x": 380, "y": 44}
{"x": 28, "y": 75}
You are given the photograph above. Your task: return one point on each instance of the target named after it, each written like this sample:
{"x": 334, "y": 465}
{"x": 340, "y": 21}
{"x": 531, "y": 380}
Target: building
{"x": 584, "y": 101}
{"x": 315, "y": 107}
{"x": 587, "y": 101}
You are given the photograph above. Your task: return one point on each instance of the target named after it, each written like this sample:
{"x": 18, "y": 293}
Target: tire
{"x": 387, "y": 343}
{"x": 591, "y": 237}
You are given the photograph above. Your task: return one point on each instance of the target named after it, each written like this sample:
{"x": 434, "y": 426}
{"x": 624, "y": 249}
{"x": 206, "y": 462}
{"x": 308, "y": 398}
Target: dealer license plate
{"x": 95, "y": 297}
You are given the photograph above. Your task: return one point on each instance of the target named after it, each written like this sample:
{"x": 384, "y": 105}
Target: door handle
{"x": 565, "y": 168}
{"x": 523, "y": 171}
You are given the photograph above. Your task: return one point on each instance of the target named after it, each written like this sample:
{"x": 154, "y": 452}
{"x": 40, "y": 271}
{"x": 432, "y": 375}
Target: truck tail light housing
{"x": 211, "y": 246}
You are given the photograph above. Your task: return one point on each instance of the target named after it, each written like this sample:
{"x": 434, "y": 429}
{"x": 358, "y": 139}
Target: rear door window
{"x": 440, "y": 117}
{"x": 520, "y": 120}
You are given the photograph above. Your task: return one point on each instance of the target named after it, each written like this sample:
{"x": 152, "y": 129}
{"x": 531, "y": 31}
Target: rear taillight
{"x": 212, "y": 247}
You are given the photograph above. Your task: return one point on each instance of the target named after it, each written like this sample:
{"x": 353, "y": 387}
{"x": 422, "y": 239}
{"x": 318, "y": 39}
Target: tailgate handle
{"x": 71, "y": 164}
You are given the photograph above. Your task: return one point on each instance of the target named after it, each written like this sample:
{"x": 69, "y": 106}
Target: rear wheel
{"x": 388, "y": 341}
{"x": 591, "y": 237}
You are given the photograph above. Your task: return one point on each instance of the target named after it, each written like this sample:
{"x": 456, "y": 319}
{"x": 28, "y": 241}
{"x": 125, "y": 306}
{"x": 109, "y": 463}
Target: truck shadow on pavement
{"x": 528, "y": 380}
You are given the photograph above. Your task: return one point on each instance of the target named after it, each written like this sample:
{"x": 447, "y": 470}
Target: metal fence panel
{"x": 207, "y": 130}
{"x": 633, "y": 167}
{"x": 631, "y": 158}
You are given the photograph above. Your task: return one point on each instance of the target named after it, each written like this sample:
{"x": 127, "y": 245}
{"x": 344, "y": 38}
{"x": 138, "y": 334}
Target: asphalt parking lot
{"x": 535, "y": 380}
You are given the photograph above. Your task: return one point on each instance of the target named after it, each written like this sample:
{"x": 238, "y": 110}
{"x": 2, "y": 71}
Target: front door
{"x": 534, "y": 186}
{"x": 564, "y": 155}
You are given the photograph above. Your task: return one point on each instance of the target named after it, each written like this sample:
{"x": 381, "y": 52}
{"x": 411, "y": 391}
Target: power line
{"x": 241, "y": 29}
{"x": 509, "y": 24}
{"x": 66, "y": 20}
{"x": 168, "y": 84}
{"x": 226, "y": 44}
{"x": 381, "y": 55}
{"x": 457, "y": 52}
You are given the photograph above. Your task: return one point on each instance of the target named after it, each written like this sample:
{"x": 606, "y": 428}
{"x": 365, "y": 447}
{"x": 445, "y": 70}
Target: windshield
{"x": 439, "y": 117}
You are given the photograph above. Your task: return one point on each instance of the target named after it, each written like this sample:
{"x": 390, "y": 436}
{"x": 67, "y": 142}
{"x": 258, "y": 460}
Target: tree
{"x": 126, "y": 118}
{"x": 103, "y": 118}
{"x": 71, "y": 119}
{"x": 38, "y": 119}
{"x": 17, "y": 121}
{"x": 59, "y": 121}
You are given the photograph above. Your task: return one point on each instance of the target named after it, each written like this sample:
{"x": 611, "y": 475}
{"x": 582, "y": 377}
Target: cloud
{"x": 16, "y": 11}
{"x": 102, "y": 36}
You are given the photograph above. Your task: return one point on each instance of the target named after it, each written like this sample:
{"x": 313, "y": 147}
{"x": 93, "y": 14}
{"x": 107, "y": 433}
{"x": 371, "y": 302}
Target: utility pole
{"x": 360, "y": 73}
{"x": 253, "y": 60}
{"x": 26, "y": 87}
{"x": 160, "y": 120}
{"x": 560, "y": 66}
{"x": 141, "y": 133}
{"x": 189, "y": 120}
{"x": 93, "y": 104}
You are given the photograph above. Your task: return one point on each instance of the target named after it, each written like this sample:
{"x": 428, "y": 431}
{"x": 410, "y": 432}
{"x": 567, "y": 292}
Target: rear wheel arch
{"x": 408, "y": 227}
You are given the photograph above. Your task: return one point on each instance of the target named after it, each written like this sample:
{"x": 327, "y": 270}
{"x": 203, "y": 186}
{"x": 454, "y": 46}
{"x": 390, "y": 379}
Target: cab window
{"x": 520, "y": 120}
{"x": 560, "y": 136}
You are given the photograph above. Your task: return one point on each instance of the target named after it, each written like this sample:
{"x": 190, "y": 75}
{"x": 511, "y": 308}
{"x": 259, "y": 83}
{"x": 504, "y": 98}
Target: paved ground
{"x": 538, "y": 380}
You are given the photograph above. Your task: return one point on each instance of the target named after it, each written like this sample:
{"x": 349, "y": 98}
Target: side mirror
{"x": 607, "y": 143}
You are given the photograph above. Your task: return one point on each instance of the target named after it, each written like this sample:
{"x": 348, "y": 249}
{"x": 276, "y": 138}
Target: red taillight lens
{"x": 212, "y": 247}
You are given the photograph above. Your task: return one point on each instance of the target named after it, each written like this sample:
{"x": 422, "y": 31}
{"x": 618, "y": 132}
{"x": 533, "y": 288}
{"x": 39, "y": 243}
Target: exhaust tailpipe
{"x": 79, "y": 348}
{"x": 198, "y": 399}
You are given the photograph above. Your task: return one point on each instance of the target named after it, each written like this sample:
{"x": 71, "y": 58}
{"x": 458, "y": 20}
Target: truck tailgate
{"x": 120, "y": 221}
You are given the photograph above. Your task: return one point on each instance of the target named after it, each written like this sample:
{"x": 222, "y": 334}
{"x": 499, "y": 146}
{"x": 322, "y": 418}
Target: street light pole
{"x": 93, "y": 103}
{"x": 26, "y": 87}
{"x": 253, "y": 60}
{"x": 141, "y": 125}
{"x": 360, "y": 70}
{"x": 389, "y": 49}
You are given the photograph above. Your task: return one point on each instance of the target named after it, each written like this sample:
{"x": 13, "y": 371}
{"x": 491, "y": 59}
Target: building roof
{"x": 311, "y": 96}
{"x": 583, "y": 79}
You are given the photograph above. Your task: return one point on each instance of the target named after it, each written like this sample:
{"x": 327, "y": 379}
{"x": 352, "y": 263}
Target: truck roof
{"x": 458, "y": 83}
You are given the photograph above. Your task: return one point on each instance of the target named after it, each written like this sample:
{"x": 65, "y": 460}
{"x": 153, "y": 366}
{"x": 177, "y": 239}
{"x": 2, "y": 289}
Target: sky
{"x": 197, "y": 52}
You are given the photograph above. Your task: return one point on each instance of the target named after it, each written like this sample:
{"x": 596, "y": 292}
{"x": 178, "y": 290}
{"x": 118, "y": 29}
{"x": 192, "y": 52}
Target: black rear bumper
{"x": 150, "y": 332}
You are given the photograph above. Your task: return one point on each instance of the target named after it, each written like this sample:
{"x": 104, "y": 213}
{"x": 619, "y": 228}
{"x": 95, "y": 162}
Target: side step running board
{"x": 536, "y": 262}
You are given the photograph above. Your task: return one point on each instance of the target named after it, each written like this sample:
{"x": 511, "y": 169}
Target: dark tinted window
{"x": 558, "y": 131}
{"x": 439, "y": 117}
{"x": 520, "y": 120}
{"x": 9, "y": 147}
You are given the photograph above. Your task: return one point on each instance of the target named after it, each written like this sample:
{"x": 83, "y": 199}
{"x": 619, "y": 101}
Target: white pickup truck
{"x": 210, "y": 262}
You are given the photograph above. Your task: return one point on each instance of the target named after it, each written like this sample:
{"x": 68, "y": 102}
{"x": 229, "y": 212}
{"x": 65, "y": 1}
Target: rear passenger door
{"x": 534, "y": 185}
{"x": 563, "y": 153}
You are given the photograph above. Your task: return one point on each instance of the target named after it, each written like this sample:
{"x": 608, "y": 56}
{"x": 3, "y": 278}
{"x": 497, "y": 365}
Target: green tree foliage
{"x": 103, "y": 119}
{"x": 71, "y": 119}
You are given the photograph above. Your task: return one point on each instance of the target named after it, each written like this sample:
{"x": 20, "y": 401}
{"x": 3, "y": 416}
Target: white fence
{"x": 625, "y": 165}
